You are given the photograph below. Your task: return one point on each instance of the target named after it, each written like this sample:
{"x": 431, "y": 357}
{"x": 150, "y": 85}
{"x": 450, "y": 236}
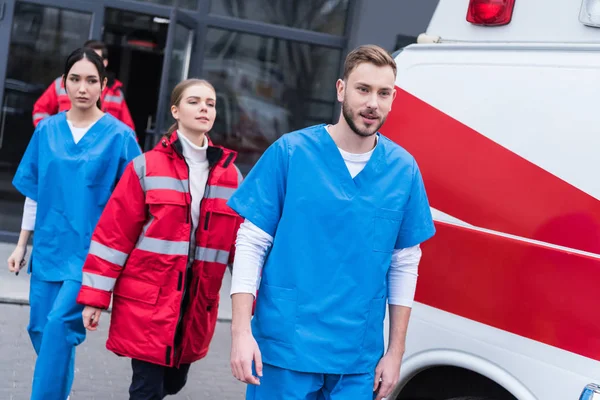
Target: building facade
{"x": 274, "y": 63}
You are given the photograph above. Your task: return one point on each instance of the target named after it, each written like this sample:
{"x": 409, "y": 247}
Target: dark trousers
{"x": 155, "y": 382}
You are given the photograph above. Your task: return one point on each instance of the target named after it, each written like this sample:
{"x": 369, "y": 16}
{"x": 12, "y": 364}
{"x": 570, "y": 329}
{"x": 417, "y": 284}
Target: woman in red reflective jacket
{"x": 162, "y": 246}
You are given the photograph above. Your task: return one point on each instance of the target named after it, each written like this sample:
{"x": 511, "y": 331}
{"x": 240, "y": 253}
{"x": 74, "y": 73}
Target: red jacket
{"x": 165, "y": 299}
{"x": 55, "y": 99}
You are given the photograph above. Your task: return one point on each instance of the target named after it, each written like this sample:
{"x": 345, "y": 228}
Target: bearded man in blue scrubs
{"x": 334, "y": 215}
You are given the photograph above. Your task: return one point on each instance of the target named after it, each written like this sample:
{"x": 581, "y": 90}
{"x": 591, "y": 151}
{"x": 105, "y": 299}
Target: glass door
{"x": 176, "y": 65}
{"x": 36, "y": 36}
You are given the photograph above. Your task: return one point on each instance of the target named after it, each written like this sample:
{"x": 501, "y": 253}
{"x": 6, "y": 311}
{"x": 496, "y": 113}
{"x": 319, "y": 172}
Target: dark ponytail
{"x": 93, "y": 57}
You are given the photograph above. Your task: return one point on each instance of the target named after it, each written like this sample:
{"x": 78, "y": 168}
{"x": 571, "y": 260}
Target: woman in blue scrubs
{"x": 67, "y": 174}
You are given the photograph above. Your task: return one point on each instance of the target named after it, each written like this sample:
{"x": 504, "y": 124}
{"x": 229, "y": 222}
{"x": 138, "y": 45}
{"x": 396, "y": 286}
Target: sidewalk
{"x": 15, "y": 289}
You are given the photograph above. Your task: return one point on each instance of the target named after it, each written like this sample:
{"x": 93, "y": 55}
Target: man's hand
{"x": 386, "y": 375}
{"x": 16, "y": 260}
{"x": 91, "y": 317}
{"x": 244, "y": 350}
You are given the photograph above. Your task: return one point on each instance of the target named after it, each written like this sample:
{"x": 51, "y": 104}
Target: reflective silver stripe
{"x": 212, "y": 255}
{"x": 160, "y": 246}
{"x": 164, "y": 182}
{"x": 139, "y": 165}
{"x": 219, "y": 192}
{"x": 240, "y": 176}
{"x": 109, "y": 254}
{"x": 57, "y": 85}
{"x": 157, "y": 182}
{"x": 40, "y": 116}
{"x": 98, "y": 281}
{"x": 147, "y": 225}
{"x": 113, "y": 99}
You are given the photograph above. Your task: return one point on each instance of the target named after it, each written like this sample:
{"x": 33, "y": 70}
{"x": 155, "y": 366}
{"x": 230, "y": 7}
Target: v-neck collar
{"x": 338, "y": 165}
{"x": 87, "y": 139}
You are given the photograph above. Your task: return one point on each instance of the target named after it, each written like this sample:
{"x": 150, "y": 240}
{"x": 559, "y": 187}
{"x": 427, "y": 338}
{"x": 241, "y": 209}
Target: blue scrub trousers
{"x": 55, "y": 328}
{"x": 284, "y": 384}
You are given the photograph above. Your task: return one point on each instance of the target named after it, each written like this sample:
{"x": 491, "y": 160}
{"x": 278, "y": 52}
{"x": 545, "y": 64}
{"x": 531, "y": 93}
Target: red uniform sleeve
{"x": 46, "y": 105}
{"x": 113, "y": 240}
{"x": 125, "y": 115}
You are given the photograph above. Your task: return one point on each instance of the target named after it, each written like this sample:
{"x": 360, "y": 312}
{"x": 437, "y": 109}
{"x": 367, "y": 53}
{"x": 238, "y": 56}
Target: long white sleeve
{"x": 251, "y": 248}
{"x": 402, "y": 276}
{"x": 29, "y": 213}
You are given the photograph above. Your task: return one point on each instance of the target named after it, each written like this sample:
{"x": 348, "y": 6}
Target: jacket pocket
{"x": 169, "y": 205}
{"x": 134, "y": 289}
{"x": 135, "y": 305}
{"x": 386, "y": 227}
{"x": 276, "y": 314}
{"x": 221, "y": 221}
{"x": 373, "y": 341}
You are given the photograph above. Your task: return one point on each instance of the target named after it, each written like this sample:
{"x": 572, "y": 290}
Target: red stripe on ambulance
{"x": 532, "y": 290}
{"x": 480, "y": 182}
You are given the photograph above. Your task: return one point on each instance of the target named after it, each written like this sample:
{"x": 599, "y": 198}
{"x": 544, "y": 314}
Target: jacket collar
{"x": 172, "y": 145}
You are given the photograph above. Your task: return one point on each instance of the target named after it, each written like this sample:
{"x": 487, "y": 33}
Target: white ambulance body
{"x": 504, "y": 122}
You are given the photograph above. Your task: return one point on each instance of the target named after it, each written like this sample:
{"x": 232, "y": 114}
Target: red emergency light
{"x": 490, "y": 12}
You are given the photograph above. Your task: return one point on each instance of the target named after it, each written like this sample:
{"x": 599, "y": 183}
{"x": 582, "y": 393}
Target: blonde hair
{"x": 369, "y": 53}
{"x": 177, "y": 95}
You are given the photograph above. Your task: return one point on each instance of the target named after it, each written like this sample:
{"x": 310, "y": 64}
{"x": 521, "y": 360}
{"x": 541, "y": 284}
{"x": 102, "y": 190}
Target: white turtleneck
{"x": 195, "y": 156}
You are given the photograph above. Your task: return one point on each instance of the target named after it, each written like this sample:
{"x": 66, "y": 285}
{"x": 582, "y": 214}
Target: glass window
{"x": 41, "y": 39}
{"x": 327, "y": 16}
{"x": 267, "y": 87}
{"x": 187, "y": 4}
{"x": 179, "y": 66}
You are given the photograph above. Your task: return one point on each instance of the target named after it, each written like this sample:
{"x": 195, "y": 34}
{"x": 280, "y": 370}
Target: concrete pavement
{"x": 100, "y": 374}
{"x": 15, "y": 289}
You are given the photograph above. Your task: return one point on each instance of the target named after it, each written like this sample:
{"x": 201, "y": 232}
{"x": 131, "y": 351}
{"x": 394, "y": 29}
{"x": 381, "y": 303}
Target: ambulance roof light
{"x": 490, "y": 12}
{"x": 590, "y": 13}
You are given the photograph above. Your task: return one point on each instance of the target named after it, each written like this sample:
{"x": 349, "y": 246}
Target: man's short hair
{"x": 97, "y": 45}
{"x": 368, "y": 53}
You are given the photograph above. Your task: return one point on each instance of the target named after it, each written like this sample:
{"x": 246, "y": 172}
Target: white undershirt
{"x": 30, "y": 206}
{"x": 253, "y": 244}
{"x": 78, "y": 133}
{"x": 195, "y": 156}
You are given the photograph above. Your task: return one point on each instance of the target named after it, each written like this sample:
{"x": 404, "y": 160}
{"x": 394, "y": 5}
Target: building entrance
{"x": 150, "y": 49}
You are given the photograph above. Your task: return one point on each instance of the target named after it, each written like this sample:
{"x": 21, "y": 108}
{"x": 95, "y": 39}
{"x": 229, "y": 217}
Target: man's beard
{"x": 347, "y": 113}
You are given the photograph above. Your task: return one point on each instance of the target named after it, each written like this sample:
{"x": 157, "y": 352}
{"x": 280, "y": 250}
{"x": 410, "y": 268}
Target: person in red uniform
{"x": 161, "y": 248}
{"x": 55, "y": 98}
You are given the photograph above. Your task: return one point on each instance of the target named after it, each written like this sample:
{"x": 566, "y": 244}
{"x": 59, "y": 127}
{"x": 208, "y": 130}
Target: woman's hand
{"x": 91, "y": 317}
{"x": 16, "y": 260}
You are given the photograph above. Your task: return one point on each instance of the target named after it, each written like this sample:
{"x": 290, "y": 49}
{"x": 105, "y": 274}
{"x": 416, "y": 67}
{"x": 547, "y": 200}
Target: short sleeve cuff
{"x": 252, "y": 215}
{"x": 414, "y": 237}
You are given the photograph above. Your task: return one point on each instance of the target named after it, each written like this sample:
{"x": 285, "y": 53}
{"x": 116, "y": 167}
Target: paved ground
{"x": 13, "y": 289}
{"x": 100, "y": 374}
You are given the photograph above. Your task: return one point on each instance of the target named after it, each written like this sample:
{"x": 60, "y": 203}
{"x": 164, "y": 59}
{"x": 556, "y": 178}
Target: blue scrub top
{"x": 71, "y": 184}
{"x": 321, "y": 301}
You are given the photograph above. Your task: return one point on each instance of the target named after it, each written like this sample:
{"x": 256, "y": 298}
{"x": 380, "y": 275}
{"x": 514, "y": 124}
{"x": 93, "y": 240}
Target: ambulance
{"x": 499, "y": 103}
